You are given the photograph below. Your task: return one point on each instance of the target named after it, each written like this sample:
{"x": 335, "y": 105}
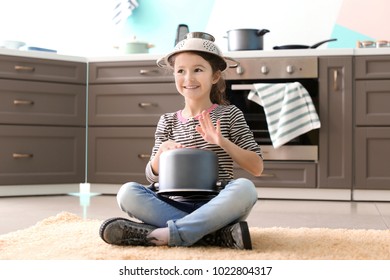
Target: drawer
{"x": 26, "y": 68}
{"x": 128, "y": 72}
{"x": 119, "y": 155}
{"x": 372, "y": 102}
{"x": 283, "y": 174}
{"x": 131, "y": 104}
{"x": 25, "y": 102}
{"x": 372, "y": 67}
{"x": 41, "y": 155}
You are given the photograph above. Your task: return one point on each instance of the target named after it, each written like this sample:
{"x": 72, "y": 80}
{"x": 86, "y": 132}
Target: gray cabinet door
{"x": 372, "y": 100}
{"x": 28, "y": 68}
{"x": 372, "y": 67}
{"x": 372, "y": 157}
{"x": 118, "y": 155}
{"x": 42, "y": 103}
{"x": 335, "y": 146}
{"x": 41, "y": 155}
{"x": 131, "y": 104}
{"x": 128, "y": 72}
{"x": 283, "y": 174}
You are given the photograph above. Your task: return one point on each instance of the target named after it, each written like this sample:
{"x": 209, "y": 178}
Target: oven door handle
{"x": 243, "y": 87}
{"x": 267, "y": 175}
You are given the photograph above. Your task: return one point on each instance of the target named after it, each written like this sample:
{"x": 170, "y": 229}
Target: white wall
{"x": 289, "y": 21}
{"x": 84, "y": 27}
{"x": 77, "y": 27}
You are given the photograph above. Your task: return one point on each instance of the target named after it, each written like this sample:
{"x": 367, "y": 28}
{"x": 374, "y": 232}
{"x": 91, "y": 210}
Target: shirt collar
{"x": 184, "y": 120}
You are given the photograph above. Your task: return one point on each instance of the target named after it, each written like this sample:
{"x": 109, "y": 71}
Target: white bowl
{"x": 13, "y": 44}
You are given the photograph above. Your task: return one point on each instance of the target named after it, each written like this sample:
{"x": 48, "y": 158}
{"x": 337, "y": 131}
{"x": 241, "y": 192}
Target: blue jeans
{"x": 231, "y": 205}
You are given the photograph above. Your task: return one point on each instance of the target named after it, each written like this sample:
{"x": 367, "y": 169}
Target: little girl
{"x": 218, "y": 220}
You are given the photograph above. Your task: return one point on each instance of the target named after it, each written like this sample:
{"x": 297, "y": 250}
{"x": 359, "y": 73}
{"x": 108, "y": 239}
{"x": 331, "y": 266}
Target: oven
{"x": 239, "y": 82}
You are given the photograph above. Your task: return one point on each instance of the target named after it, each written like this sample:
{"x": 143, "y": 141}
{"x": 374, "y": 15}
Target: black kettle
{"x": 182, "y": 31}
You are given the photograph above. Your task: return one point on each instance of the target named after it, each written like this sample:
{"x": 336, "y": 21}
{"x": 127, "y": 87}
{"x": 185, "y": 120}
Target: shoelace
{"x": 135, "y": 236}
{"x": 226, "y": 238}
{"x": 221, "y": 238}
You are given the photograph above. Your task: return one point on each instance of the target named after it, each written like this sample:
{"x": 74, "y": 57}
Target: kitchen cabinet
{"x": 42, "y": 121}
{"x": 126, "y": 100}
{"x": 335, "y": 112}
{"x": 372, "y": 122}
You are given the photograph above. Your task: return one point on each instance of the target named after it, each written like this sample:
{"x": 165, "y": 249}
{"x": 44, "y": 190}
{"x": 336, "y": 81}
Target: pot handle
{"x": 161, "y": 62}
{"x": 235, "y": 62}
{"x": 262, "y": 32}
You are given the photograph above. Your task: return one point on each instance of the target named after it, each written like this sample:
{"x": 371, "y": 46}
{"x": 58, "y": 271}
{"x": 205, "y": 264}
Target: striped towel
{"x": 288, "y": 108}
{"x": 122, "y": 10}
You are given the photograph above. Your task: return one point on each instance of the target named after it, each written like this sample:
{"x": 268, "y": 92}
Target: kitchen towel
{"x": 122, "y": 10}
{"x": 288, "y": 108}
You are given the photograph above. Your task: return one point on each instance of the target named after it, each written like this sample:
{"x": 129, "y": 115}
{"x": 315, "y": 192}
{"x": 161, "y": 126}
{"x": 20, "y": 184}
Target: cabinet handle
{"x": 147, "y": 104}
{"x": 21, "y": 156}
{"x": 142, "y": 156}
{"x": 335, "y": 80}
{"x": 24, "y": 68}
{"x": 23, "y": 102}
{"x": 147, "y": 72}
{"x": 268, "y": 175}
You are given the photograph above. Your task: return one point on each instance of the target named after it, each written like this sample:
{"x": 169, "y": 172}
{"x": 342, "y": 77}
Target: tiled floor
{"x": 22, "y": 212}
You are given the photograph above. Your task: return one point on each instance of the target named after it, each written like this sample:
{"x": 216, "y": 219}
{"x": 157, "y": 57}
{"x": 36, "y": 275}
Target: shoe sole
{"x": 109, "y": 221}
{"x": 246, "y": 237}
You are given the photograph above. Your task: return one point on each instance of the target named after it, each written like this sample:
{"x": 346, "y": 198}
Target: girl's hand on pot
{"x": 165, "y": 146}
{"x": 210, "y": 133}
{"x": 169, "y": 145}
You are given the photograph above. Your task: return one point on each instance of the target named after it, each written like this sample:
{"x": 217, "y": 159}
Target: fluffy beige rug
{"x": 69, "y": 237}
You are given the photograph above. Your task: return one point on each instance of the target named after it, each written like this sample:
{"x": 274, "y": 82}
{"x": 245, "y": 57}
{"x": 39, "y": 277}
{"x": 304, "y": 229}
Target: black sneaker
{"x": 236, "y": 236}
{"x": 121, "y": 231}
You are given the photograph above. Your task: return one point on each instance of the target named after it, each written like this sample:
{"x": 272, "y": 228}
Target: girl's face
{"x": 194, "y": 76}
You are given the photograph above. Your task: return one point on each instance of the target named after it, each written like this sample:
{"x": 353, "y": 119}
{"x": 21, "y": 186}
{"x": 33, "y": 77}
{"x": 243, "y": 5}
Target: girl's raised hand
{"x": 210, "y": 133}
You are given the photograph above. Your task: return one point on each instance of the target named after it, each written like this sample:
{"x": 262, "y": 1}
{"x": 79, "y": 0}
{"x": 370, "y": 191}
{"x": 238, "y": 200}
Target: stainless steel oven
{"x": 240, "y": 81}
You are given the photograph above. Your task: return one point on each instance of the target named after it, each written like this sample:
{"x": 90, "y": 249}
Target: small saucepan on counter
{"x": 15, "y": 45}
{"x": 135, "y": 46}
{"x": 295, "y": 47}
{"x": 245, "y": 39}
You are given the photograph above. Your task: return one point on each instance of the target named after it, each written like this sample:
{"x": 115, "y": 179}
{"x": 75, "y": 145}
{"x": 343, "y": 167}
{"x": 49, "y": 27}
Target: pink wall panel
{"x": 369, "y": 17}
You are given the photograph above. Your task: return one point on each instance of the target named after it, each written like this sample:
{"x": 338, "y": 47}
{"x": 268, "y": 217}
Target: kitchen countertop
{"x": 42, "y": 55}
{"x": 237, "y": 54}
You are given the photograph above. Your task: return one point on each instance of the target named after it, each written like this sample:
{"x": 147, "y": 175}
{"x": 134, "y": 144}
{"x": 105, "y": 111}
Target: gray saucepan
{"x": 245, "y": 39}
{"x": 188, "y": 170}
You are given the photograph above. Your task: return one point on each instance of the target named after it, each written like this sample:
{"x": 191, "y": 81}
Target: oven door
{"x": 301, "y": 148}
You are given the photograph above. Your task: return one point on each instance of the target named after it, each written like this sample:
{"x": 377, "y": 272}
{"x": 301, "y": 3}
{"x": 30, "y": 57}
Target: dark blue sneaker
{"x": 121, "y": 231}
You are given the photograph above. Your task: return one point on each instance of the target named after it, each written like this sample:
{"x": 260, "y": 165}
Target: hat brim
{"x": 164, "y": 61}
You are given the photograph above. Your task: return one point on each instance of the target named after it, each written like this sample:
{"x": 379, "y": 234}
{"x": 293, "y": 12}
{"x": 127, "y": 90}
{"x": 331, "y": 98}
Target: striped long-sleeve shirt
{"x": 173, "y": 126}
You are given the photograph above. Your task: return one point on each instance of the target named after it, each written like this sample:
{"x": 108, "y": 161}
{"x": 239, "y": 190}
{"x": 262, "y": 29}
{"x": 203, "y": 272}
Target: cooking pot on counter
{"x": 188, "y": 170}
{"x": 137, "y": 47}
{"x": 245, "y": 39}
{"x": 134, "y": 46}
